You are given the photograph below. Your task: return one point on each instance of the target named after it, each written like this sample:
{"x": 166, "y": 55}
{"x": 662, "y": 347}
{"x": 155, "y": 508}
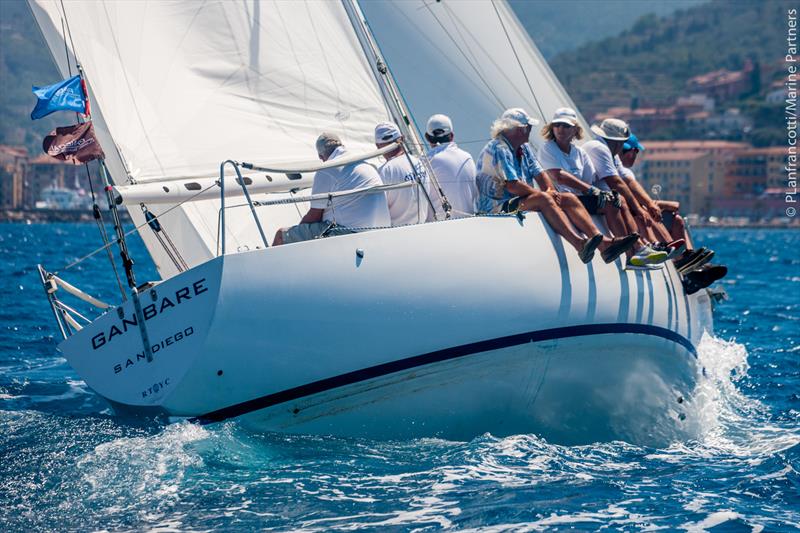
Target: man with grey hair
{"x": 342, "y": 214}
{"x": 508, "y": 173}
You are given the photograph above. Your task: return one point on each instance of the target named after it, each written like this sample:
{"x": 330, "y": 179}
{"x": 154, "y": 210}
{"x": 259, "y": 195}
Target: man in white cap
{"x": 453, "y": 167}
{"x": 342, "y": 214}
{"x": 507, "y": 170}
{"x": 613, "y": 133}
{"x": 410, "y": 205}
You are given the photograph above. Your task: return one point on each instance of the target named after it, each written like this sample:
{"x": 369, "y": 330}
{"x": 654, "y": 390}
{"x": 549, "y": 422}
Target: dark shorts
{"x": 590, "y": 202}
{"x": 667, "y": 218}
{"x": 510, "y": 206}
{"x": 314, "y": 230}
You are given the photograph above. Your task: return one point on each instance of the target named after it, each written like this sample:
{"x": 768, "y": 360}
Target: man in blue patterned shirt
{"x": 507, "y": 170}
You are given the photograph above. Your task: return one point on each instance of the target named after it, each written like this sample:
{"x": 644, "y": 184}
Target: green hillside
{"x": 652, "y": 61}
{"x": 563, "y": 25}
{"x": 24, "y": 61}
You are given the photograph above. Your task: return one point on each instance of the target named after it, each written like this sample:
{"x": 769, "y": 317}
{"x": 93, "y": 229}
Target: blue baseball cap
{"x": 633, "y": 142}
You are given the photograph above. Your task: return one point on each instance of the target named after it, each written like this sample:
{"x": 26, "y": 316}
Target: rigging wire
{"x": 470, "y": 62}
{"x": 135, "y": 229}
{"x": 96, "y": 213}
{"x": 519, "y": 62}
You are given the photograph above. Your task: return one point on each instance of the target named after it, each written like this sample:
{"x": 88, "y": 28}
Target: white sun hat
{"x": 565, "y": 115}
{"x": 612, "y": 129}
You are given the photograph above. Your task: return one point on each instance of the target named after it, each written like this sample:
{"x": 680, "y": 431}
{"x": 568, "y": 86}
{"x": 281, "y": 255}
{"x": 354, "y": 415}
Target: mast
{"x": 391, "y": 94}
{"x": 394, "y": 102}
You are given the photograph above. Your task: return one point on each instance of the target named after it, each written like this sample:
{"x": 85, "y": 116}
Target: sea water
{"x": 67, "y": 464}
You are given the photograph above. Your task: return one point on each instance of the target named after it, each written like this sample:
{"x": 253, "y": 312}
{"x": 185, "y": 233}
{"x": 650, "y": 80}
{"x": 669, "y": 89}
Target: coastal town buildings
{"x": 13, "y": 167}
{"x": 719, "y": 178}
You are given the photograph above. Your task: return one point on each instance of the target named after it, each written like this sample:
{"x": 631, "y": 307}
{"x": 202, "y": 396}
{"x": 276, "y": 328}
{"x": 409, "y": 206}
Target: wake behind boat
{"x": 450, "y": 328}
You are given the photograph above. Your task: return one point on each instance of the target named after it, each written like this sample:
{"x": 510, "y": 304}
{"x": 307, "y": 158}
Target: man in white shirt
{"x": 342, "y": 214}
{"x": 658, "y": 232}
{"x": 612, "y": 135}
{"x": 409, "y": 205}
{"x": 453, "y": 167}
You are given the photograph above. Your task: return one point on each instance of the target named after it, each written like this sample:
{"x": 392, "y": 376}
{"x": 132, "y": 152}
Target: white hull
{"x": 448, "y": 329}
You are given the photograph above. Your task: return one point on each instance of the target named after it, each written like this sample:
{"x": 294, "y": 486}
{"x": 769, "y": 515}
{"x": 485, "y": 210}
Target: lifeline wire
{"x": 137, "y": 228}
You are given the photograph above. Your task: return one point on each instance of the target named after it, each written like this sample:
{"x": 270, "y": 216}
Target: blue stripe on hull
{"x": 434, "y": 357}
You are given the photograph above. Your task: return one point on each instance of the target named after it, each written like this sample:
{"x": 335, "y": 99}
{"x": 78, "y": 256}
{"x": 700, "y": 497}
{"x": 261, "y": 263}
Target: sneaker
{"x": 587, "y": 252}
{"x": 688, "y": 256}
{"x": 648, "y": 256}
{"x": 630, "y": 266}
{"x": 678, "y": 247}
{"x": 702, "y": 278}
{"x": 619, "y": 246}
{"x": 697, "y": 262}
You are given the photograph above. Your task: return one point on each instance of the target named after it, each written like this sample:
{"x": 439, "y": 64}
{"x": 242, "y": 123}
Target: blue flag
{"x": 65, "y": 95}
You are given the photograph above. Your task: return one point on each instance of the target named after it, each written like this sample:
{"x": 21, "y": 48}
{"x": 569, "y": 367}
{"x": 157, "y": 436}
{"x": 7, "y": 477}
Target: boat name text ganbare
{"x": 150, "y": 311}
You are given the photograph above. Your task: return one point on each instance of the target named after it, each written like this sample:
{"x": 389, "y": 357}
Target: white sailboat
{"x": 451, "y": 328}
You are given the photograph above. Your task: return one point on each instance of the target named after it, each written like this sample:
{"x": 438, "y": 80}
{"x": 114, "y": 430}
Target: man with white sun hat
{"x": 612, "y": 134}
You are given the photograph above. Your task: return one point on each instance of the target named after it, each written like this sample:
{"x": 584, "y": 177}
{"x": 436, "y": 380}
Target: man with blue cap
{"x": 660, "y": 236}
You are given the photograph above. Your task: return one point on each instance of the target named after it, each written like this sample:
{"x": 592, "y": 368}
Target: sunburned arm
{"x": 616, "y": 183}
{"x": 519, "y": 188}
{"x": 644, "y": 199}
{"x": 569, "y": 180}
{"x": 669, "y": 205}
{"x": 544, "y": 181}
{"x": 314, "y": 215}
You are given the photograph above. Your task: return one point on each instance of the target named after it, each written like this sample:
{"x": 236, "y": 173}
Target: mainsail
{"x": 178, "y": 87}
{"x": 467, "y": 59}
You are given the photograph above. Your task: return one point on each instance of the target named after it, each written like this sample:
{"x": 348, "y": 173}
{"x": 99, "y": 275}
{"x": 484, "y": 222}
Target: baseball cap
{"x": 633, "y": 142}
{"x": 565, "y": 115}
{"x": 517, "y": 114}
{"x": 386, "y": 132}
{"x": 439, "y": 125}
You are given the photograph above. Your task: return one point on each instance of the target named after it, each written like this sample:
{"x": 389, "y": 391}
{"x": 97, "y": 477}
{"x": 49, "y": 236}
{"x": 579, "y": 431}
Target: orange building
{"x": 13, "y": 169}
{"x": 682, "y": 175}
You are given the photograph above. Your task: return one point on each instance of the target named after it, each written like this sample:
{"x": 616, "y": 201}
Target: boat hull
{"x": 448, "y": 329}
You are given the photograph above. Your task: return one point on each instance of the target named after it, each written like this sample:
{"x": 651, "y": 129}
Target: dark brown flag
{"x": 76, "y": 144}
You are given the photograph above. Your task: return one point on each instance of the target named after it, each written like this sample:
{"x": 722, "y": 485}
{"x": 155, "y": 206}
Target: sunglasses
{"x": 562, "y": 125}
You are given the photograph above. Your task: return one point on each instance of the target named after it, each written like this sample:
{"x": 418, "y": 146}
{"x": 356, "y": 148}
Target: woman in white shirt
{"x": 573, "y": 172}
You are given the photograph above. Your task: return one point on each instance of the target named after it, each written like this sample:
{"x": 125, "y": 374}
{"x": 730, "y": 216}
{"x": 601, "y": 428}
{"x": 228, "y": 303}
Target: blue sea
{"x": 67, "y": 464}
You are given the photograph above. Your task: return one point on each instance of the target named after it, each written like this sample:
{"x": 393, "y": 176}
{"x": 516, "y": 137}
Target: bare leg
{"x": 679, "y": 231}
{"x": 661, "y": 232}
{"x": 578, "y": 215}
{"x": 544, "y": 203}
{"x": 278, "y": 240}
{"x": 636, "y": 224}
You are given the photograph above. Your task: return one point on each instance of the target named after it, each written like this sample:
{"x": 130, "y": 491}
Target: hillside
{"x": 651, "y": 63}
{"x": 563, "y": 25}
{"x": 24, "y": 61}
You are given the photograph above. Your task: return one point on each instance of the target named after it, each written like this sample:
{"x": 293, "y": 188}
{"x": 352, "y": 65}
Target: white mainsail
{"x": 467, "y": 59}
{"x": 178, "y": 87}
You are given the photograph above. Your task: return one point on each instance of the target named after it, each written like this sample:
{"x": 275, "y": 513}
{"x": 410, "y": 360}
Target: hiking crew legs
{"x": 545, "y": 204}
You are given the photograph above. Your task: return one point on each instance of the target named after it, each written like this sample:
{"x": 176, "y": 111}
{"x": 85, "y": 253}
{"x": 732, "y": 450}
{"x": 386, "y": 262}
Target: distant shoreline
{"x": 26, "y": 216}
{"x": 43, "y": 216}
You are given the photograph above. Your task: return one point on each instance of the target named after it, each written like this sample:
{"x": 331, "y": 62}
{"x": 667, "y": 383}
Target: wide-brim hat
{"x": 612, "y": 129}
